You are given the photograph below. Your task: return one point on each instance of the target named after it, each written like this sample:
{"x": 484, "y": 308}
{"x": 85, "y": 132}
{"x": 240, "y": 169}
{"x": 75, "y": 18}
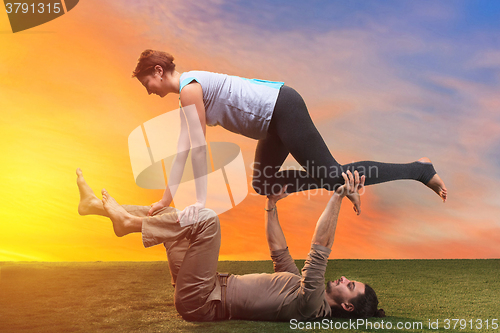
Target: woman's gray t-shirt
{"x": 243, "y": 106}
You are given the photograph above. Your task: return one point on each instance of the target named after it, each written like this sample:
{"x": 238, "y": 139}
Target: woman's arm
{"x": 191, "y": 138}
{"x": 192, "y": 101}
{"x": 175, "y": 176}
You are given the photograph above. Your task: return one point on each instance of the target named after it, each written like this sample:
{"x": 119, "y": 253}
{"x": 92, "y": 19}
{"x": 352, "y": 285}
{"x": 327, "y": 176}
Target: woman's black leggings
{"x": 292, "y": 132}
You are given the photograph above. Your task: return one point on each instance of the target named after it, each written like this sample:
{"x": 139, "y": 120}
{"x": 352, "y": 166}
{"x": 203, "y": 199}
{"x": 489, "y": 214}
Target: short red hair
{"x": 149, "y": 59}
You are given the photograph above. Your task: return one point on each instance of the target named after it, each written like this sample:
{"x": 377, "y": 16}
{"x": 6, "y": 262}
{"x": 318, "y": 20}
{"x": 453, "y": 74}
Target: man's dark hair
{"x": 365, "y": 306}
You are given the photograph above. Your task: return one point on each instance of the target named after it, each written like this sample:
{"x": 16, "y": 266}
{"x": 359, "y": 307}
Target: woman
{"x": 270, "y": 112}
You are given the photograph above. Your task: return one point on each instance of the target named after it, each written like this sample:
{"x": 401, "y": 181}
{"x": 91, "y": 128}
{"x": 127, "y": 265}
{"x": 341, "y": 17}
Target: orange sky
{"x": 68, "y": 101}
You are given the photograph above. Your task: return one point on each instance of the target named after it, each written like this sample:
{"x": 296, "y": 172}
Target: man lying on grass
{"x": 203, "y": 295}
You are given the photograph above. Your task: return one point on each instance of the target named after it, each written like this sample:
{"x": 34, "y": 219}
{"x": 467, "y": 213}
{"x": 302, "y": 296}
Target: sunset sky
{"x": 390, "y": 81}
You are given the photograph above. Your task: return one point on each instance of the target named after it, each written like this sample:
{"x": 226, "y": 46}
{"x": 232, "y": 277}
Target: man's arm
{"x": 327, "y": 223}
{"x": 313, "y": 273}
{"x": 274, "y": 234}
{"x": 282, "y": 260}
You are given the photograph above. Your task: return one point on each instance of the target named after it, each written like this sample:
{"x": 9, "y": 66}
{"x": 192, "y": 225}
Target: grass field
{"x": 138, "y": 297}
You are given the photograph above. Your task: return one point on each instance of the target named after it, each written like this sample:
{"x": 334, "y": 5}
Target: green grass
{"x": 138, "y": 297}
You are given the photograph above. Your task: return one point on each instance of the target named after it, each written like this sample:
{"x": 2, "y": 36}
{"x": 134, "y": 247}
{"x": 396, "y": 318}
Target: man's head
{"x": 351, "y": 299}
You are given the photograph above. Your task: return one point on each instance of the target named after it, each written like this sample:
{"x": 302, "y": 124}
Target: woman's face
{"x": 153, "y": 84}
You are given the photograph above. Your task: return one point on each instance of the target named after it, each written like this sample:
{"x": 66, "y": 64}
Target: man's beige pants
{"x": 193, "y": 253}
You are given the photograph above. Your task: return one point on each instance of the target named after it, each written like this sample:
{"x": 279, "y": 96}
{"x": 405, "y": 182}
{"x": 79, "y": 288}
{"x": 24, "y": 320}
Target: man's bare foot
{"x": 436, "y": 183}
{"x": 89, "y": 202}
{"x": 119, "y": 216}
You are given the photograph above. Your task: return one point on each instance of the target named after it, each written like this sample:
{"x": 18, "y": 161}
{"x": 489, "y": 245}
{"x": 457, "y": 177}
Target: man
{"x": 203, "y": 295}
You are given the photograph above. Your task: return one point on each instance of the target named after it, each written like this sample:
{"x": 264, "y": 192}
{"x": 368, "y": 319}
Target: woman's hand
{"x": 157, "y": 206}
{"x": 190, "y": 214}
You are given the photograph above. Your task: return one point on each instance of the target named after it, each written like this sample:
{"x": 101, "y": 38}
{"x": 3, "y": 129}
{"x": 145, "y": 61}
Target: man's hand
{"x": 272, "y": 199}
{"x": 351, "y": 188}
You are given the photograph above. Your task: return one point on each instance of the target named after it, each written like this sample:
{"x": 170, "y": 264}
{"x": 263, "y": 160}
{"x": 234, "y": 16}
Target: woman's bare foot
{"x": 89, "y": 202}
{"x": 436, "y": 183}
{"x": 121, "y": 219}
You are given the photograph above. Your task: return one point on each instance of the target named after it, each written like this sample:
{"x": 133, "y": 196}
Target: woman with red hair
{"x": 270, "y": 112}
